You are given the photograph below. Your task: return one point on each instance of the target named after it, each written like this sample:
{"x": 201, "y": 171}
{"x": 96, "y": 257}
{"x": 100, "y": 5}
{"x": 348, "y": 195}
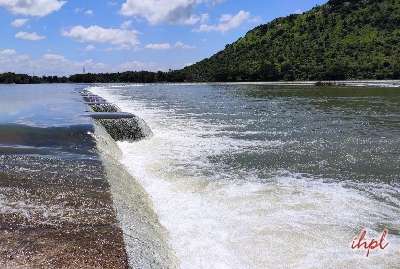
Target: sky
{"x": 60, "y": 37}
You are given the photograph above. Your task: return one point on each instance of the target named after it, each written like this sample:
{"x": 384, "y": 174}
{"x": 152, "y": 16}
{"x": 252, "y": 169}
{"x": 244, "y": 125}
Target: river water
{"x": 55, "y": 199}
{"x": 262, "y": 176}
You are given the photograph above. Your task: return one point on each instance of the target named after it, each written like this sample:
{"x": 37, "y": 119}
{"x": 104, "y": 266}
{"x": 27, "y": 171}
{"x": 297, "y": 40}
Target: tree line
{"x": 336, "y": 41}
{"x": 124, "y": 77}
{"x": 339, "y": 40}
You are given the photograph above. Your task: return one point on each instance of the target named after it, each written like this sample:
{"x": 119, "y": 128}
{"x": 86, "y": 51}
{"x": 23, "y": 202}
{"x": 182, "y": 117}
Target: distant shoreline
{"x": 343, "y": 83}
{"x": 145, "y": 77}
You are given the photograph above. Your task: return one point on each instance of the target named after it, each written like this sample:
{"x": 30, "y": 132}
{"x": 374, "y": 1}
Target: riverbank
{"x": 168, "y": 77}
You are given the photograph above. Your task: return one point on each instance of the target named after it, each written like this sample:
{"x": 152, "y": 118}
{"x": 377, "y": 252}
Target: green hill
{"x": 338, "y": 40}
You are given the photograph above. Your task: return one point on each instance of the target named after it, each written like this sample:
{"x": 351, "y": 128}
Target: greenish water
{"x": 241, "y": 176}
{"x": 262, "y": 176}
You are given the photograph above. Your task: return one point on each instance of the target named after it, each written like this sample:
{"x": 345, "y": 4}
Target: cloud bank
{"x": 122, "y": 38}
{"x": 37, "y": 8}
{"x": 226, "y": 23}
{"x": 167, "y": 46}
{"x": 166, "y": 11}
{"x": 17, "y": 23}
{"x": 29, "y": 36}
{"x": 55, "y": 64}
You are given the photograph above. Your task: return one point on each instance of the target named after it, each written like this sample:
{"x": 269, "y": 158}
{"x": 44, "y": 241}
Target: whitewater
{"x": 261, "y": 176}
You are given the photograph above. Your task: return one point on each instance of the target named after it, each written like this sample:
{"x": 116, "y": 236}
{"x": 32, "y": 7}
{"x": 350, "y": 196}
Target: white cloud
{"x": 226, "y": 23}
{"x": 38, "y": 8}
{"x": 19, "y": 23}
{"x": 195, "y": 19}
{"x": 90, "y": 48}
{"x": 167, "y": 46}
{"x": 169, "y": 11}
{"x": 157, "y": 11}
{"x": 126, "y": 24}
{"x": 204, "y": 18}
{"x": 215, "y": 2}
{"x": 55, "y": 64}
{"x": 192, "y": 20}
{"x": 95, "y": 34}
{"x": 7, "y": 52}
{"x": 89, "y": 12}
{"x": 160, "y": 46}
{"x": 29, "y": 36}
{"x": 138, "y": 66}
{"x": 181, "y": 45}
{"x": 53, "y": 57}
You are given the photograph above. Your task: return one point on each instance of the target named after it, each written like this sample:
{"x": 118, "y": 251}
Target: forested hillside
{"x": 338, "y": 40}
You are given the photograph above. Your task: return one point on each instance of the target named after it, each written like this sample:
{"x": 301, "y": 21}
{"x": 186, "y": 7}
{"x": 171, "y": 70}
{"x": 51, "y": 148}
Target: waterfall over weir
{"x": 145, "y": 238}
{"x": 131, "y": 128}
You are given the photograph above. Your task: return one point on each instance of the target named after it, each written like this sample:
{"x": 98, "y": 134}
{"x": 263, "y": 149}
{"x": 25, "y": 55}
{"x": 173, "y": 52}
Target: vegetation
{"x": 11, "y": 78}
{"x": 128, "y": 77}
{"x": 133, "y": 77}
{"x": 336, "y": 41}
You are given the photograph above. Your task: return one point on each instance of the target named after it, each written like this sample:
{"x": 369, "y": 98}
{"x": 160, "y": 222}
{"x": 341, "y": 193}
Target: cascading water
{"x": 246, "y": 176}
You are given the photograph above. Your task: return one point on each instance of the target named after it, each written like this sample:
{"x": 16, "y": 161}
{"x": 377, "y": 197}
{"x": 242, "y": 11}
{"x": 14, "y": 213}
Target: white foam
{"x": 220, "y": 219}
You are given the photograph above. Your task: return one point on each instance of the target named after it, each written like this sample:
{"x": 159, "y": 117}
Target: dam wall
{"x": 65, "y": 199}
{"x": 56, "y": 207}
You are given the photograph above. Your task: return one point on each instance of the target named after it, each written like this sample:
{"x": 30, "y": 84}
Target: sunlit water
{"x": 253, "y": 176}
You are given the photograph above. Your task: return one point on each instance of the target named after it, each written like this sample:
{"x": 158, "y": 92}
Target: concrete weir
{"x": 120, "y": 125}
{"x": 52, "y": 220}
{"x": 56, "y": 206}
{"x": 145, "y": 238}
{"x": 65, "y": 200}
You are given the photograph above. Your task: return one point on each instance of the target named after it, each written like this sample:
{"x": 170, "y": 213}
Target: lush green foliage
{"x": 129, "y": 77}
{"x": 11, "y": 78}
{"x": 339, "y": 40}
{"x": 357, "y": 39}
{"x": 133, "y": 77}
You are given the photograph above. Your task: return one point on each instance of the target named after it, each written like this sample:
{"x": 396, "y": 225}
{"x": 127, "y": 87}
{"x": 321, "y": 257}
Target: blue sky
{"x": 60, "y": 37}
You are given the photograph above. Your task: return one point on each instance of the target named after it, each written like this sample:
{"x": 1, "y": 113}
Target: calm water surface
{"x": 44, "y": 118}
